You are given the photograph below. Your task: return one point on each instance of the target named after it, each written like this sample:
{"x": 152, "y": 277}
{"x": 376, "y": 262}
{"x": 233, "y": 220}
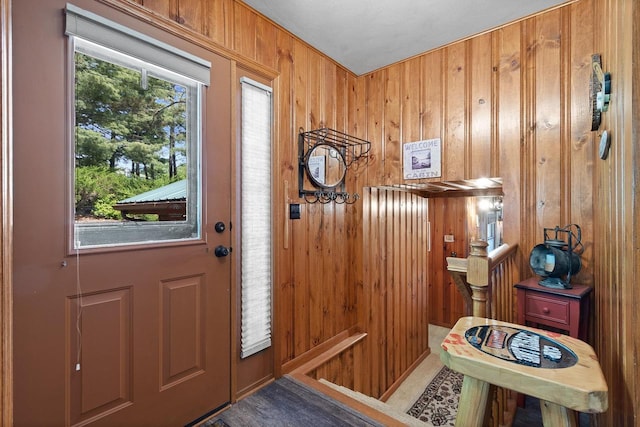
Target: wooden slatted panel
{"x": 359, "y": 240}
{"x": 342, "y": 369}
{"x": 432, "y": 104}
{"x": 315, "y": 276}
{"x": 411, "y": 109}
{"x": 503, "y": 275}
{"x": 509, "y": 127}
{"x": 578, "y": 124}
{"x": 544, "y": 42}
{"x": 419, "y": 274}
{"x": 392, "y": 121}
{"x": 191, "y": 14}
{"x": 165, "y": 8}
{"x": 437, "y": 215}
{"x": 266, "y": 47}
{"x": 374, "y": 107}
{"x": 616, "y": 220}
{"x": 448, "y": 217}
{"x": 299, "y": 256}
{"x": 480, "y": 105}
{"x": 395, "y": 276}
{"x": 217, "y": 21}
{"x": 456, "y": 120}
{"x": 395, "y": 227}
{"x": 285, "y": 291}
{"x": 244, "y": 22}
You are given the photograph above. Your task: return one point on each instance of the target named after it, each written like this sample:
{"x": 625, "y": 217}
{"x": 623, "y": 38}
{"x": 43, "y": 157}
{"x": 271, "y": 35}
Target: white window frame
{"x": 99, "y": 37}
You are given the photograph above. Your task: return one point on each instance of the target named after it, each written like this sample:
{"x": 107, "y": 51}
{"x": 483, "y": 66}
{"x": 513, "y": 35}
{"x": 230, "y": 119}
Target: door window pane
{"x": 136, "y": 150}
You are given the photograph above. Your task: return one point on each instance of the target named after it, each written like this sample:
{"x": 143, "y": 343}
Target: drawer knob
{"x": 546, "y": 310}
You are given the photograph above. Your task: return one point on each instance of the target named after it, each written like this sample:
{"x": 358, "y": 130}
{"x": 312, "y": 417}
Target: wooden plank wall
{"x": 392, "y": 306}
{"x": 617, "y": 221}
{"x": 512, "y": 103}
{"x": 446, "y": 216}
{"x": 345, "y": 369}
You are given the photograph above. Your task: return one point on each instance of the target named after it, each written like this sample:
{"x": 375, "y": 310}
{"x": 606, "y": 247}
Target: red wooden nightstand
{"x": 564, "y": 309}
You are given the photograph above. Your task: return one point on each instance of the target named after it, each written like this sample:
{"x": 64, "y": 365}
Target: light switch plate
{"x": 294, "y": 211}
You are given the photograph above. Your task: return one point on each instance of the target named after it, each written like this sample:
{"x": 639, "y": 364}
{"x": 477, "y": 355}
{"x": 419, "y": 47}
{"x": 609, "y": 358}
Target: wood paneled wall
{"x": 512, "y": 103}
{"x": 617, "y": 217}
{"x": 392, "y": 303}
{"x": 446, "y": 216}
{"x": 345, "y": 369}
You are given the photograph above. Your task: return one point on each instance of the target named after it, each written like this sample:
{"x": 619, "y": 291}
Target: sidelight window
{"x": 136, "y": 135}
{"x": 256, "y": 217}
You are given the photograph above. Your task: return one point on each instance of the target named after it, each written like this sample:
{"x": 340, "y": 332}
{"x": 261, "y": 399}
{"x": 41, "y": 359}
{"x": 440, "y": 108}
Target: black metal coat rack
{"x": 324, "y": 156}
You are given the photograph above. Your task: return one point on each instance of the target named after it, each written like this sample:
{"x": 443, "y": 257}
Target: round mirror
{"x": 325, "y": 166}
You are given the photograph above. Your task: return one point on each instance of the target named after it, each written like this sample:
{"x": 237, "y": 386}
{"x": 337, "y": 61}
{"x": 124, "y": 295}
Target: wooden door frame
{"x": 6, "y": 223}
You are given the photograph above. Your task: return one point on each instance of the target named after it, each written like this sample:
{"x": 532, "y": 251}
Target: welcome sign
{"x": 422, "y": 159}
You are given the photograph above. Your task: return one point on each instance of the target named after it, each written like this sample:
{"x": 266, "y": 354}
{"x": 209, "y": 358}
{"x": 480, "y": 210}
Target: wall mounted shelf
{"x": 324, "y": 156}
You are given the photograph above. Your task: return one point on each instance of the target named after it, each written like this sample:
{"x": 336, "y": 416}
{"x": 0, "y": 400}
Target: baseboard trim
{"x": 387, "y": 394}
{"x": 362, "y": 408}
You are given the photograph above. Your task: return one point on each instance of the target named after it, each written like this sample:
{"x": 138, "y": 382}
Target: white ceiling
{"x": 364, "y": 35}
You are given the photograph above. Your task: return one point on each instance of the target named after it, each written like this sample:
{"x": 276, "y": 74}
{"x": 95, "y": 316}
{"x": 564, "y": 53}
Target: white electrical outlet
{"x": 448, "y": 238}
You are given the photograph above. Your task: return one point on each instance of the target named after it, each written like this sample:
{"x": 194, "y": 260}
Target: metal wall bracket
{"x": 324, "y": 156}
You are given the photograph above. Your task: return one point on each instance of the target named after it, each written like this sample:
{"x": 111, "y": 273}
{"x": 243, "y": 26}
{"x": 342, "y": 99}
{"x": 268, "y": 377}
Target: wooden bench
{"x": 561, "y": 371}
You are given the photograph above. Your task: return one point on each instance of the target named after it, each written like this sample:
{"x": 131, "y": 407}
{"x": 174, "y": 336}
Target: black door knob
{"x": 221, "y": 251}
{"x": 220, "y": 227}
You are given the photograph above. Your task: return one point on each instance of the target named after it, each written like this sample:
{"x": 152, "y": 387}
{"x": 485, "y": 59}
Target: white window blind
{"x": 256, "y": 218}
{"x": 104, "y": 32}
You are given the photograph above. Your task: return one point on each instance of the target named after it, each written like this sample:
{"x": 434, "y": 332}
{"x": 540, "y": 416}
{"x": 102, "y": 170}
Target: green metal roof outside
{"x": 174, "y": 191}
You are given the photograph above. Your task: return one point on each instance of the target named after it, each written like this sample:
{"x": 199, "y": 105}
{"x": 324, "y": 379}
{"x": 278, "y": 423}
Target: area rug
{"x": 438, "y": 404}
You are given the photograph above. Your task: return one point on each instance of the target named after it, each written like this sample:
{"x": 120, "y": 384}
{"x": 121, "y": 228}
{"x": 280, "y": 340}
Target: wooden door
{"x": 132, "y": 336}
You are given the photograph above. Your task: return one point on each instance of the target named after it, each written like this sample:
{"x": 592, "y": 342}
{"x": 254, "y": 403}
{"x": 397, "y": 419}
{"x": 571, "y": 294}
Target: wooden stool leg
{"x": 473, "y": 402}
{"x": 556, "y": 415}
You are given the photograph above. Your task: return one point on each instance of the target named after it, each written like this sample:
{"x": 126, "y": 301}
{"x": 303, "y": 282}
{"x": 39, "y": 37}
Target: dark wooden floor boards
{"x": 286, "y": 402}
{"x": 531, "y": 416}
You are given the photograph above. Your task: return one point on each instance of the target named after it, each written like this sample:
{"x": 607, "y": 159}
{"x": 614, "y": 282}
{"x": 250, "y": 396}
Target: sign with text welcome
{"x": 422, "y": 159}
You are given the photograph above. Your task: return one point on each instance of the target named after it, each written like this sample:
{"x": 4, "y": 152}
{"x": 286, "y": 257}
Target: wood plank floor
{"x": 287, "y": 402}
